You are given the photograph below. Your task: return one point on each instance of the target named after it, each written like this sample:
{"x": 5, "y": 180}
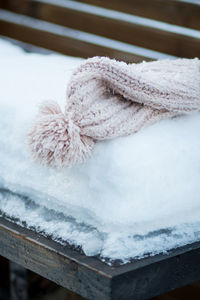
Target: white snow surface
{"x": 136, "y": 196}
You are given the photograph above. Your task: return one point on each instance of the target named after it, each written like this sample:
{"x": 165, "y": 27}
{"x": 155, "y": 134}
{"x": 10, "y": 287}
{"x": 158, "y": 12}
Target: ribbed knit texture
{"x": 107, "y": 99}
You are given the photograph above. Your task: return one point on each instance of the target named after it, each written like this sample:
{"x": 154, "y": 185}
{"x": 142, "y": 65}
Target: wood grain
{"x": 54, "y": 262}
{"x": 179, "y": 12}
{"x": 59, "y": 39}
{"x": 183, "y": 13}
{"x": 148, "y": 35}
{"x": 93, "y": 279}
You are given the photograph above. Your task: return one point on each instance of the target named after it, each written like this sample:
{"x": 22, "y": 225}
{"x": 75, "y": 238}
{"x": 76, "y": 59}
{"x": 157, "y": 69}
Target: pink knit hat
{"x": 107, "y": 99}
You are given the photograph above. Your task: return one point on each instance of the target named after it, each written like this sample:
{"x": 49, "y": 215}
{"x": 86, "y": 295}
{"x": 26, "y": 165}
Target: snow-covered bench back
{"x": 127, "y": 30}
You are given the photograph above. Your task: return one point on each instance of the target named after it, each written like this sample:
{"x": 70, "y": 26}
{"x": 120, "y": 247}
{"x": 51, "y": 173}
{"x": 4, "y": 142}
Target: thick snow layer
{"x": 136, "y": 195}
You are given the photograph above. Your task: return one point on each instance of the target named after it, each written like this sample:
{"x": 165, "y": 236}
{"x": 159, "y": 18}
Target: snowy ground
{"x": 136, "y": 195}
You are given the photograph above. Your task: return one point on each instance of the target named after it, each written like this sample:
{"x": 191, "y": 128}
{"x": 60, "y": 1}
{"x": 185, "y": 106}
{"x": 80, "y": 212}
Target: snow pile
{"x": 136, "y": 195}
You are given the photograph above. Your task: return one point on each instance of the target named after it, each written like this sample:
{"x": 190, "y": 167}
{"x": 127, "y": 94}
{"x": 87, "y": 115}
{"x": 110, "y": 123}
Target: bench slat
{"x": 180, "y": 12}
{"x": 151, "y": 34}
{"x": 46, "y": 258}
{"x": 90, "y": 277}
{"x": 68, "y": 41}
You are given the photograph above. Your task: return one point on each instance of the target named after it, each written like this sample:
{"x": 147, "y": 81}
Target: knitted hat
{"x": 107, "y": 99}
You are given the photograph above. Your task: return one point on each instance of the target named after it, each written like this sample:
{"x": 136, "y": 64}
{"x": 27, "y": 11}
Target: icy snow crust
{"x": 137, "y": 195}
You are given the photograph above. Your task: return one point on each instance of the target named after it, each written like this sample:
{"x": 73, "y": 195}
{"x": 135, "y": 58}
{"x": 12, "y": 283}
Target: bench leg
{"x": 18, "y": 282}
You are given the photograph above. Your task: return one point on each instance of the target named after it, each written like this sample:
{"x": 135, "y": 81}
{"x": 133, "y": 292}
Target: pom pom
{"x": 55, "y": 140}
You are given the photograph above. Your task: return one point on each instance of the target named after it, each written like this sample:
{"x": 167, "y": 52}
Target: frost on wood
{"x": 135, "y": 195}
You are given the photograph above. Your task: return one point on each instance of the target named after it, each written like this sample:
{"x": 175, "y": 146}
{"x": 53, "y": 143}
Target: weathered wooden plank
{"x": 89, "y": 277}
{"x": 159, "y": 277}
{"x": 130, "y": 29}
{"x": 59, "y": 264}
{"x": 182, "y": 12}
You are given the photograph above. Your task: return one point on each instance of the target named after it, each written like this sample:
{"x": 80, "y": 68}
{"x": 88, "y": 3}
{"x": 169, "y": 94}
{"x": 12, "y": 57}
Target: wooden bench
{"x": 131, "y": 31}
{"x": 91, "y": 278}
